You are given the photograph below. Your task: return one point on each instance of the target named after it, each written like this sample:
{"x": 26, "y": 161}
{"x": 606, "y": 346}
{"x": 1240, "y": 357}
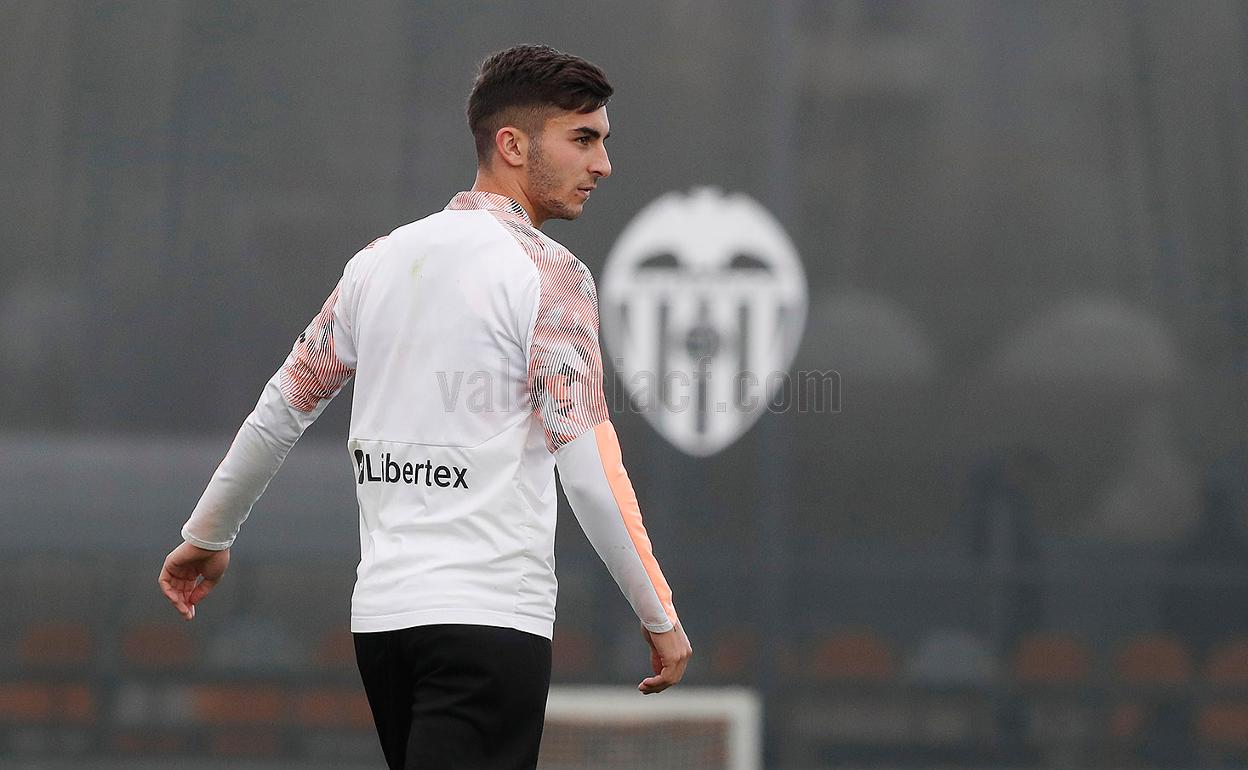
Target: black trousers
{"x": 456, "y": 697}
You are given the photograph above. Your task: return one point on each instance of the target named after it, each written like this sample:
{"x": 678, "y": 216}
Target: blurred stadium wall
{"x": 1022, "y": 540}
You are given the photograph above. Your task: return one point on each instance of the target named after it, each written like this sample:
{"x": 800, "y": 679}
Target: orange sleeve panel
{"x": 630, "y": 511}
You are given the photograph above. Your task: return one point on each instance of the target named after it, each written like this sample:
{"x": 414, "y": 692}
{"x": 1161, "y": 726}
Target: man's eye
{"x": 584, "y": 139}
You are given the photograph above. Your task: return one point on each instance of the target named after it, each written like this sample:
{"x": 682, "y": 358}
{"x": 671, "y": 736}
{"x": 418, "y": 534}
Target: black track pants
{"x": 456, "y": 697}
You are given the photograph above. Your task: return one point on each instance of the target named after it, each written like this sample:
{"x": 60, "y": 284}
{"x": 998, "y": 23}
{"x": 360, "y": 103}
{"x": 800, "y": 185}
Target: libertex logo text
{"x": 388, "y": 471}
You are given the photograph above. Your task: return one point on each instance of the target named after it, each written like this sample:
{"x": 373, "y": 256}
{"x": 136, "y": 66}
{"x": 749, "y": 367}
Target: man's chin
{"x": 555, "y": 206}
{"x": 568, "y": 211}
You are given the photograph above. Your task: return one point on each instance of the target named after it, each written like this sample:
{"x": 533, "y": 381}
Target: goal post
{"x": 717, "y": 728}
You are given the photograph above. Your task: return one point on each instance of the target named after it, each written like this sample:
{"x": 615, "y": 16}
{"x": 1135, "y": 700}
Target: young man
{"x": 454, "y": 603}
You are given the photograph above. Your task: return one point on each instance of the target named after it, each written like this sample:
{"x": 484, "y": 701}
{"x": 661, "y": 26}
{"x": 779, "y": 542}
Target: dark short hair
{"x": 522, "y": 85}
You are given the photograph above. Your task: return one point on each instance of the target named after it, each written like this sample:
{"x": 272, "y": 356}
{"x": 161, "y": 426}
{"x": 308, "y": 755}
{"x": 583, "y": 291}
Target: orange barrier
{"x": 1224, "y": 725}
{"x": 1051, "y": 659}
{"x": 38, "y": 703}
{"x": 158, "y": 646}
{"x": 572, "y": 653}
{"x": 733, "y": 653}
{"x": 59, "y": 644}
{"x": 336, "y": 650}
{"x": 239, "y": 704}
{"x": 853, "y": 655}
{"x": 334, "y": 707}
{"x": 1154, "y": 661}
{"x": 1228, "y": 664}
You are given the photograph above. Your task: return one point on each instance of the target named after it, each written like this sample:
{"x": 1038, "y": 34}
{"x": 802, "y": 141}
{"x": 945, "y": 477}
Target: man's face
{"x": 566, "y": 160}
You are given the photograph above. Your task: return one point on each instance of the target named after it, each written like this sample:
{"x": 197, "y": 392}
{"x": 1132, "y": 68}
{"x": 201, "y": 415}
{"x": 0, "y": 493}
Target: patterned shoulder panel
{"x": 565, "y": 361}
{"x": 312, "y": 372}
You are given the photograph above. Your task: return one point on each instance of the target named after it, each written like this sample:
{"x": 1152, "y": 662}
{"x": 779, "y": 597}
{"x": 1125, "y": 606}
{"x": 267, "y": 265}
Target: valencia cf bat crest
{"x": 703, "y": 303}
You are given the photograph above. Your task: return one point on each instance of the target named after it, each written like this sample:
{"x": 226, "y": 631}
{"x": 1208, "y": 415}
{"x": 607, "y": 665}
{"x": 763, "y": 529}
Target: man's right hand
{"x": 180, "y": 576}
{"x": 669, "y": 654}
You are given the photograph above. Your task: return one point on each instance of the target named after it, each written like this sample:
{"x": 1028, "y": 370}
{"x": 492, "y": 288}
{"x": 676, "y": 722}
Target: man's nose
{"x": 601, "y": 167}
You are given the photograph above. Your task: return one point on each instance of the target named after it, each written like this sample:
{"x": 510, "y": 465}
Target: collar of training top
{"x": 490, "y": 201}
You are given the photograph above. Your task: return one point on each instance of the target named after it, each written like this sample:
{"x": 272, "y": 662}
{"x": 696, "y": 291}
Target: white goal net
{"x": 688, "y": 728}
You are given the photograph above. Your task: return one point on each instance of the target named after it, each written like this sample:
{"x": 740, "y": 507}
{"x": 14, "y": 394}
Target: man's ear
{"x": 512, "y": 145}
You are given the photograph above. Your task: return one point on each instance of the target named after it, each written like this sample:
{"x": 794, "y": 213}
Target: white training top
{"x": 473, "y": 338}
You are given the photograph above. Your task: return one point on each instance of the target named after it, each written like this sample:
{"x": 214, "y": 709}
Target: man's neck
{"x": 487, "y": 182}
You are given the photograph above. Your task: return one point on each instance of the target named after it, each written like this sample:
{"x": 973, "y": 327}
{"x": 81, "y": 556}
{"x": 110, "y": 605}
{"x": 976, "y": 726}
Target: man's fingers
{"x": 652, "y": 685}
{"x": 176, "y": 594}
{"x": 669, "y": 655}
{"x": 200, "y": 591}
{"x": 178, "y": 584}
{"x": 665, "y": 679}
{"x": 189, "y": 574}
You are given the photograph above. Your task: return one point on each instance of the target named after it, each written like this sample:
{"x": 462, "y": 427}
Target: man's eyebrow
{"x": 592, "y": 133}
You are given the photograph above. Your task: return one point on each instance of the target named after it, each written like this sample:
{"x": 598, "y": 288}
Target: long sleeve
{"x": 565, "y": 382}
{"x": 294, "y": 397}
{"x": 606, "y": 507}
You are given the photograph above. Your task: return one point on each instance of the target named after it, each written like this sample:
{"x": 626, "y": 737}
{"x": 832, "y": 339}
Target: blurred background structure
{"x": 1022, "y": 541}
